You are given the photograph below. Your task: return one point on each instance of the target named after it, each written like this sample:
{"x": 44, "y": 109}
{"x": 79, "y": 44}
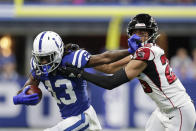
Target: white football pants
{"x": 182, "y": 119}
{"x": 87, "y": 121}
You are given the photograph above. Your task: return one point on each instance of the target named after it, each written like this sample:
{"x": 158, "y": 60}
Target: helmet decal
{"x": 55, "y": 42}
{"x": 40, "y": 41}
{"x": 140, "y": 25}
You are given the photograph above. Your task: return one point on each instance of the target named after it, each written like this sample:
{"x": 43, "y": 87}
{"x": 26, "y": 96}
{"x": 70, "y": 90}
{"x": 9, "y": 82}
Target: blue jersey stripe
{"x": 80, "y": 58}
{"x": 84, "y": 128}
{"x": 40, "y": 41}
{"x": 77, "y": 58}
{"x": 77, "y": 123}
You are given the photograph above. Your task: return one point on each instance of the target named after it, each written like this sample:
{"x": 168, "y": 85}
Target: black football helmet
{"x": 145, "y": 22}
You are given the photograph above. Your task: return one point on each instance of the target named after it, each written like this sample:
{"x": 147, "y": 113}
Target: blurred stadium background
{"x": 96, "y": 25}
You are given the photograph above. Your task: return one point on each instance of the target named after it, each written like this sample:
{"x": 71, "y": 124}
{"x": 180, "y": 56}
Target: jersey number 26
{"x": 170, "y": 76}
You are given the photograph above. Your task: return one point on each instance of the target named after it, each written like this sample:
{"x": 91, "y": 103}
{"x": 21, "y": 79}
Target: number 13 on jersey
{"x": 68, "y": 90}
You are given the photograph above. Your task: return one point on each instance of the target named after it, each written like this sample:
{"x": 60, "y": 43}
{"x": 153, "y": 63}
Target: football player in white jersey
{"x": 175, "y": 110}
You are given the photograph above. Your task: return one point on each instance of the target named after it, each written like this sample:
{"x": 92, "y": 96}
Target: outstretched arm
{"x": 107, "y": 82}
{"x": 81, "y": 58}
{"x": 132, "y": 70}
{"x": 107, "y": 57}
{"x": 30, "y": 81}
{"x": 113, "y": 67}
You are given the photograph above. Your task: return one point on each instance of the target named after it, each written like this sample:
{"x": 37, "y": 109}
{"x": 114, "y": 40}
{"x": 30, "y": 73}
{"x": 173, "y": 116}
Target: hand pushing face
{"x": 143, "y": 34}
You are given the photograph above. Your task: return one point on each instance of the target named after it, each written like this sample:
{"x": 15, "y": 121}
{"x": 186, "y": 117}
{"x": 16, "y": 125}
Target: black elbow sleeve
{"x": 118, "y": 78}
{"x": 107, "y": 82}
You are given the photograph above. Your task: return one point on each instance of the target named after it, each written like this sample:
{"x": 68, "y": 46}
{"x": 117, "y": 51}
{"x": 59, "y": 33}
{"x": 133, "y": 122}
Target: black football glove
{"x": 71, "y": 47}
{"x": 71, "y": 71}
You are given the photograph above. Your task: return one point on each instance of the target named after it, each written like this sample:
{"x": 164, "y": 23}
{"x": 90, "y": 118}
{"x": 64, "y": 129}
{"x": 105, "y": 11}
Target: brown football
{"x": 35, "y": 89}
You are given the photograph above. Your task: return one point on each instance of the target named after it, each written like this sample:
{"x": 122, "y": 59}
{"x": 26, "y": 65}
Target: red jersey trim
{"x": 143, "y": 54}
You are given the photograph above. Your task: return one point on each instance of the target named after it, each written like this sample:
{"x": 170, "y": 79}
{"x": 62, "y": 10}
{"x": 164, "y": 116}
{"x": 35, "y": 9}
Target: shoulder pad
{"x": 148, "y": 45}
{"x": 144, "y": 53}
{"x": 77, "y": 58}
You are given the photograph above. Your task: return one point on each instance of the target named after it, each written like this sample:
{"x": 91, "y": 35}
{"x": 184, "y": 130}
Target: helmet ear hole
{"x": 57, "y": 58}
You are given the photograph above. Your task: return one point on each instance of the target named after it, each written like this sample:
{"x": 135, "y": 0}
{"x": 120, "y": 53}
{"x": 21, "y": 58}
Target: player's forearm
{"x": 115, "y": 66}
{"x": 30, "y": 81}
{"x": 107, "y": 57}
{"x": 115, "y": 55}
{"x": 107, "y": 82}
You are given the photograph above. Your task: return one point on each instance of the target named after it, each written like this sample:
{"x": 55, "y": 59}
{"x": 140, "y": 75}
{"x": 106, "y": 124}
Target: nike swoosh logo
{"x": 171, "y": 117}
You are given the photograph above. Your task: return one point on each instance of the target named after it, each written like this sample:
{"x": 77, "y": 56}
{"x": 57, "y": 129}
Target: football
{"x": 35, "y": 89}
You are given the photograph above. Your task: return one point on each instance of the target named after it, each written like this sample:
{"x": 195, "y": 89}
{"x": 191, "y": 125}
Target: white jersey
{"x": 158, "y": 80}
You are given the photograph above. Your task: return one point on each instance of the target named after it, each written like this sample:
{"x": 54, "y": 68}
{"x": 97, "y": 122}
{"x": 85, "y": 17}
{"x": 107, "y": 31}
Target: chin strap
{"x": 45, "y": 69}
{"x": 151, "y": 39}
